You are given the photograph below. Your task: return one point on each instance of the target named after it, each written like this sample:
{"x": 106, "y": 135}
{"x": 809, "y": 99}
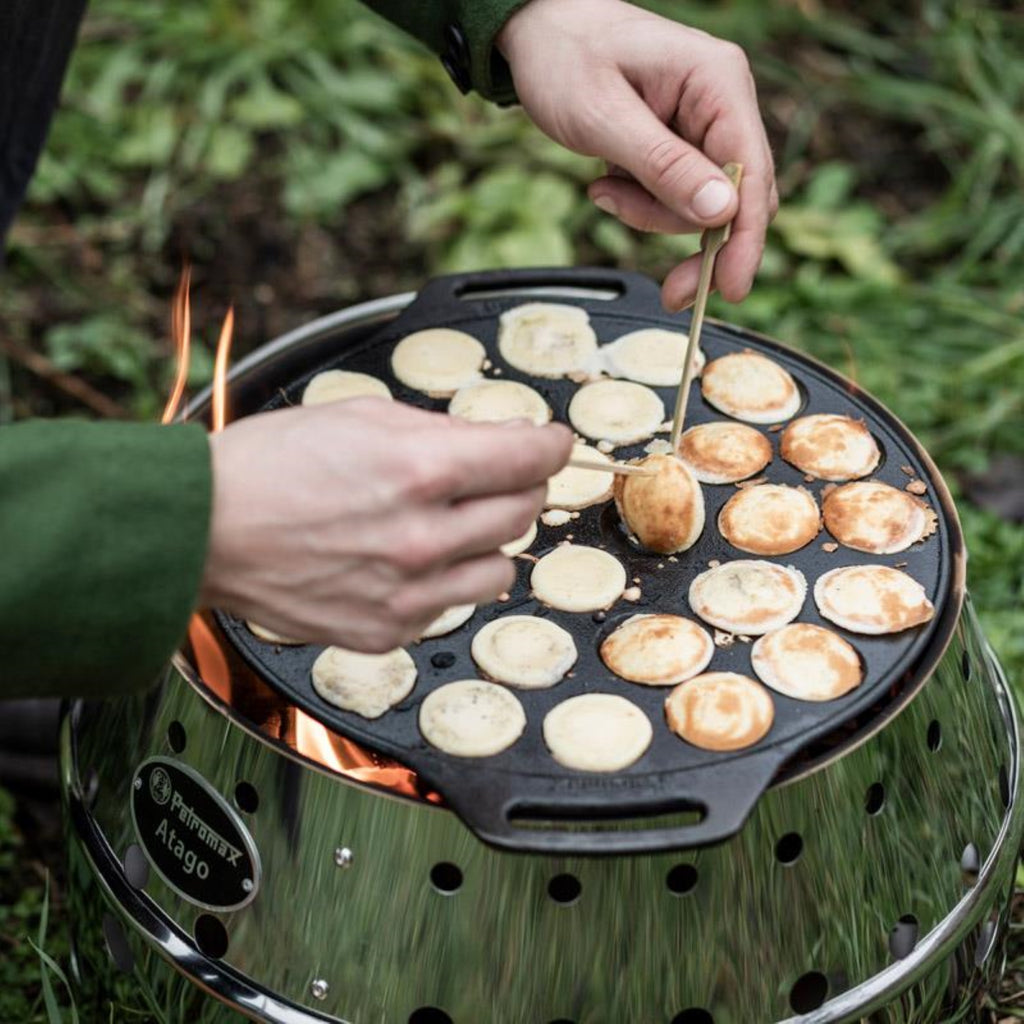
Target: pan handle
{"x": 540, "y": 819}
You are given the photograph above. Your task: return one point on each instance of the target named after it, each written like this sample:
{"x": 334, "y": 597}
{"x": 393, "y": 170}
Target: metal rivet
{"x": 138, "y": 783}
{"x": 319, "y": 988}
{"x": 246, "y": 885}
{"x": 343, "y": 857}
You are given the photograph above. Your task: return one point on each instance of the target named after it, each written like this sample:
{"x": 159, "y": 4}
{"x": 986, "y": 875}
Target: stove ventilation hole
{"x": 966, "y": 666}
{"x": 681, "y": 879}
{"x": 429, "y": 1015}
{"x": 934, "y": 736}
{"x": 809, "y": 991}
{"x": 446, "y": 878}
{"x": 247, "y": 798}
{"x": 874, "y": 799}
{"x": 970, "y": 864}
{"x": 1004, "y": 786}
{"x": 789, "y": 848}
{"x": 136, "y": 867}
{"x": 117, "y": 944}
{"x": 694, "y": 1015}
{"x": 903, "y": 937}
{"x": 177, "y": 738}
{"x": 565, "y": 889}
{"x": 211, "y": 936}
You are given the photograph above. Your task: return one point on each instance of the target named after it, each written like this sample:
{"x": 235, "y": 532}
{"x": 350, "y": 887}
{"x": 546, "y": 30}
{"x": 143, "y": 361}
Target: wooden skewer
{"x": 618, "y": 468}
{"x": 712, "y": 241}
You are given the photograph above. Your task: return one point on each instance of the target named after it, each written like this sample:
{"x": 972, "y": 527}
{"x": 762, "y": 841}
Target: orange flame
{"x": 220, "y": 372}
{"x": 181, "y": 335}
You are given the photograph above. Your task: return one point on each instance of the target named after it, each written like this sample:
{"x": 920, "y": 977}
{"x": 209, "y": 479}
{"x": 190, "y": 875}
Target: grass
{"x": 305, "y": 156}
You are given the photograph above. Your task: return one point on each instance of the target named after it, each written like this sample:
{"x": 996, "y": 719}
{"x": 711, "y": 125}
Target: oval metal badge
{"x": 195, "y": 841}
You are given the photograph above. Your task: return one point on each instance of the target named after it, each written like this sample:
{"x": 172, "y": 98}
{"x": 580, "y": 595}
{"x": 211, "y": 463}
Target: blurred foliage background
{"x": 304, "y": 155}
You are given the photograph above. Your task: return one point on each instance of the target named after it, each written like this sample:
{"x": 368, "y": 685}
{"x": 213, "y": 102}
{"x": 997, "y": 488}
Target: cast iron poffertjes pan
{"x": 522, "y": 798}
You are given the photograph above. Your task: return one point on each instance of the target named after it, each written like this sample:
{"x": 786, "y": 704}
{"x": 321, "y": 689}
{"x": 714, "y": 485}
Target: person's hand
{"x": 358, "y": 522}
{"x": 665, "y": 105}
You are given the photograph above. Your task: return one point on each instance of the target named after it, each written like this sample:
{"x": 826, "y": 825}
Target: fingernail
{"x": 607, "y": 204}
{"x": 712, "y": 198}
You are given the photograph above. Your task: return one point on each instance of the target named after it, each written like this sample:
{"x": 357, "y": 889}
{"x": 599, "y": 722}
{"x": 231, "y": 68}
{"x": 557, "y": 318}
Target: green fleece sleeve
{"x": 103, "y": 533}
{"x": 462, "y": 34}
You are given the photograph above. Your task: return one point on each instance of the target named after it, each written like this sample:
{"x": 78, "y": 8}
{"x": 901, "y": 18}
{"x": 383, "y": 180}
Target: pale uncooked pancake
{"x": 807, "y": 662}
{"x": 650, "y": 356}
{"x": 720, "y": 711}
{"x": 724, "y": 452}
{"x": 438, "y": 361}
{"x": 750, "y": 387}
{"x": 618, "y": 411}
{"x": 449, "y": 620}
{"x": 872, "y": 599}
{"x": 657, "y": 650}
{"x": 874, "y": 517}
{"x": 830, "y": 447}
{"x": 337, "y": 385}
{"x": 574, "y": 488}
{"x": 546, "y": 339}
{"x": 597, "y": 732}
{"x": 770, "y": 519}
{"x": 520, "y": 544}
{"x": 368, "y": 684}
{"x": 748, "y": 597}
{"x": 270, "y": 637}
{"x": 471, "y": 718}
{"x": 524, "y": 651}
{"x": 576, "y": 578}
{"x": 665, "y": 511}
{"x": 494, "y": 401}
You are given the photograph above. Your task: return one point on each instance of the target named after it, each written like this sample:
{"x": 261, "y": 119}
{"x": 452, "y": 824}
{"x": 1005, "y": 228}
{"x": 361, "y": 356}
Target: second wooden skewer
{"x": 618, "y": 468}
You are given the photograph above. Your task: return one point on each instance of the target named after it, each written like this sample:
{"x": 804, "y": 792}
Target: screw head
{"x": 343, "y": 857}
{"x": 319, "y": 988}
{"x": 246, "y": 885}
{"x": 137, "y": 783}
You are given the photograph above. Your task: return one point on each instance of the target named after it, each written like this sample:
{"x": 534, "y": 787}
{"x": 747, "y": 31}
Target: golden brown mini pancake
{"x": 723, "y": 452}
{"x": 438, "y": 361}
{"x": 750, "y": 387}
{"x": 448, "y": 621}
{"x": 471, "y": 718}
{"x": 665, "y": 510}
{"x": 523, "y": 651}
{"x": 577, "y": 578}
{"x": 872, "y": 599}
{"x": 339, "y": 385}
{"x": 574, "y": 488}
{"x": 830, "y": 447}
{"x": 495, "y": 401}
{"x": 807, "y": 662}
{"x": 770, "y": 519}
{"x": 657, "y": 650}
{"x": 720, "y": 711}
{"x": 546, "y": 339}
{"x": 748, "y": 597}
{"x": 270, "y": 637}
{"x": 874, "y": 517}
{"x": 618, "y": 411}
{"x": 597, "y": 732}
{"x": 367, "y": 684}
{"x": 651, "y": 356}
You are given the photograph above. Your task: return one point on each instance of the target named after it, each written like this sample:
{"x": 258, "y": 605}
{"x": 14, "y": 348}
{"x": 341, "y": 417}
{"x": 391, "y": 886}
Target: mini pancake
{"x": 368, "y": 684}
{"x": 665, "y": 511}
{"x": 574, "y": 488}
{"x": 830, "y": 447}
{"x": 724, "y": 452}
{"x": 577, "y": 578}
{"x": 337, "y": 385}
{"x": 657, "y": 650}
{"x": 750, "y": 387}
{"x": 438, "y": 361}
{"x": 748, "y": 597}
{"x": 872, "y": 599}
{"x": 720, "y": 711}
{"x": 546, "y": 339}
{"x": 616, "y": 410}
{"x": 807, "y": 662}
{"x": 270, "y": 637}
{"x": 650, "y": 356}
{"x": 471, "y": 718}
{"x": 494, "y": 401}
{"x": 448, "y": 621}
{"x": 524, "y": 651}
{"x": 597, "y": 732}
{"x": 520, "y": 544}
{"x": 874, "y": 517}
{"x": 770, "y": 519}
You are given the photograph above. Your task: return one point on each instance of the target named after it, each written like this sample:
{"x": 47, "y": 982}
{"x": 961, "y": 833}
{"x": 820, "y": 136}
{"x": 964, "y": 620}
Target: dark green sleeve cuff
{"x": 462, "y": 34}
{"x": 103, "y": 533}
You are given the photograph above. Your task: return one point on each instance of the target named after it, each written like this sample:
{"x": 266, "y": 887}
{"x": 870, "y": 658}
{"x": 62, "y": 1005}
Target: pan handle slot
{"x": 537, "y": 816}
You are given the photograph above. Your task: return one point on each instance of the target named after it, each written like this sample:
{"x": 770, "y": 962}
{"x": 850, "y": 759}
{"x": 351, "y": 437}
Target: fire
{"x": 181, "y": 335}
{"x": 220, "y": 372}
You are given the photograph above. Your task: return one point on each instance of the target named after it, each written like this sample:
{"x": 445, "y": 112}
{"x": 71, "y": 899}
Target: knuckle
{"x": 668, "y": 162}
{"x": 732, "y": 53}
{"x": 417, "y": 550}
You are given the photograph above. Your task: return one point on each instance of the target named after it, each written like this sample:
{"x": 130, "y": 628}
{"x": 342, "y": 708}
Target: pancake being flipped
{"x": 597, "y": 732}
{"x": 618, "y": 411}
{"x": 448, "y": 621}
{"x": 657, "y": 650}
{"x": 546, "y": 339}
{"x": 494, "y": 401}
{"x": 748, "y": 597}
{"x": 750, "y": 387}
{"x": 338, "y": 385}
{"x": 367, "y": 684}
{"x": 770, "y": 519}
{"x": 524, "y": 651}
{"x": 438, "y": 361}
{"x": 723, "y": 452}
{"x": 665, "y": 510}
{"x": 574, "y": 488}
{"x": 874, "y": 517}
{"x": 830, "y": 447}
{"x": 807, "y": 662}
{"x": 577, "y": 578}
{"x": 720, "y": 711}
{"x": 872, "y": 599}
{"x": 471, "y": 718}
{"x": 650, "y": 356}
